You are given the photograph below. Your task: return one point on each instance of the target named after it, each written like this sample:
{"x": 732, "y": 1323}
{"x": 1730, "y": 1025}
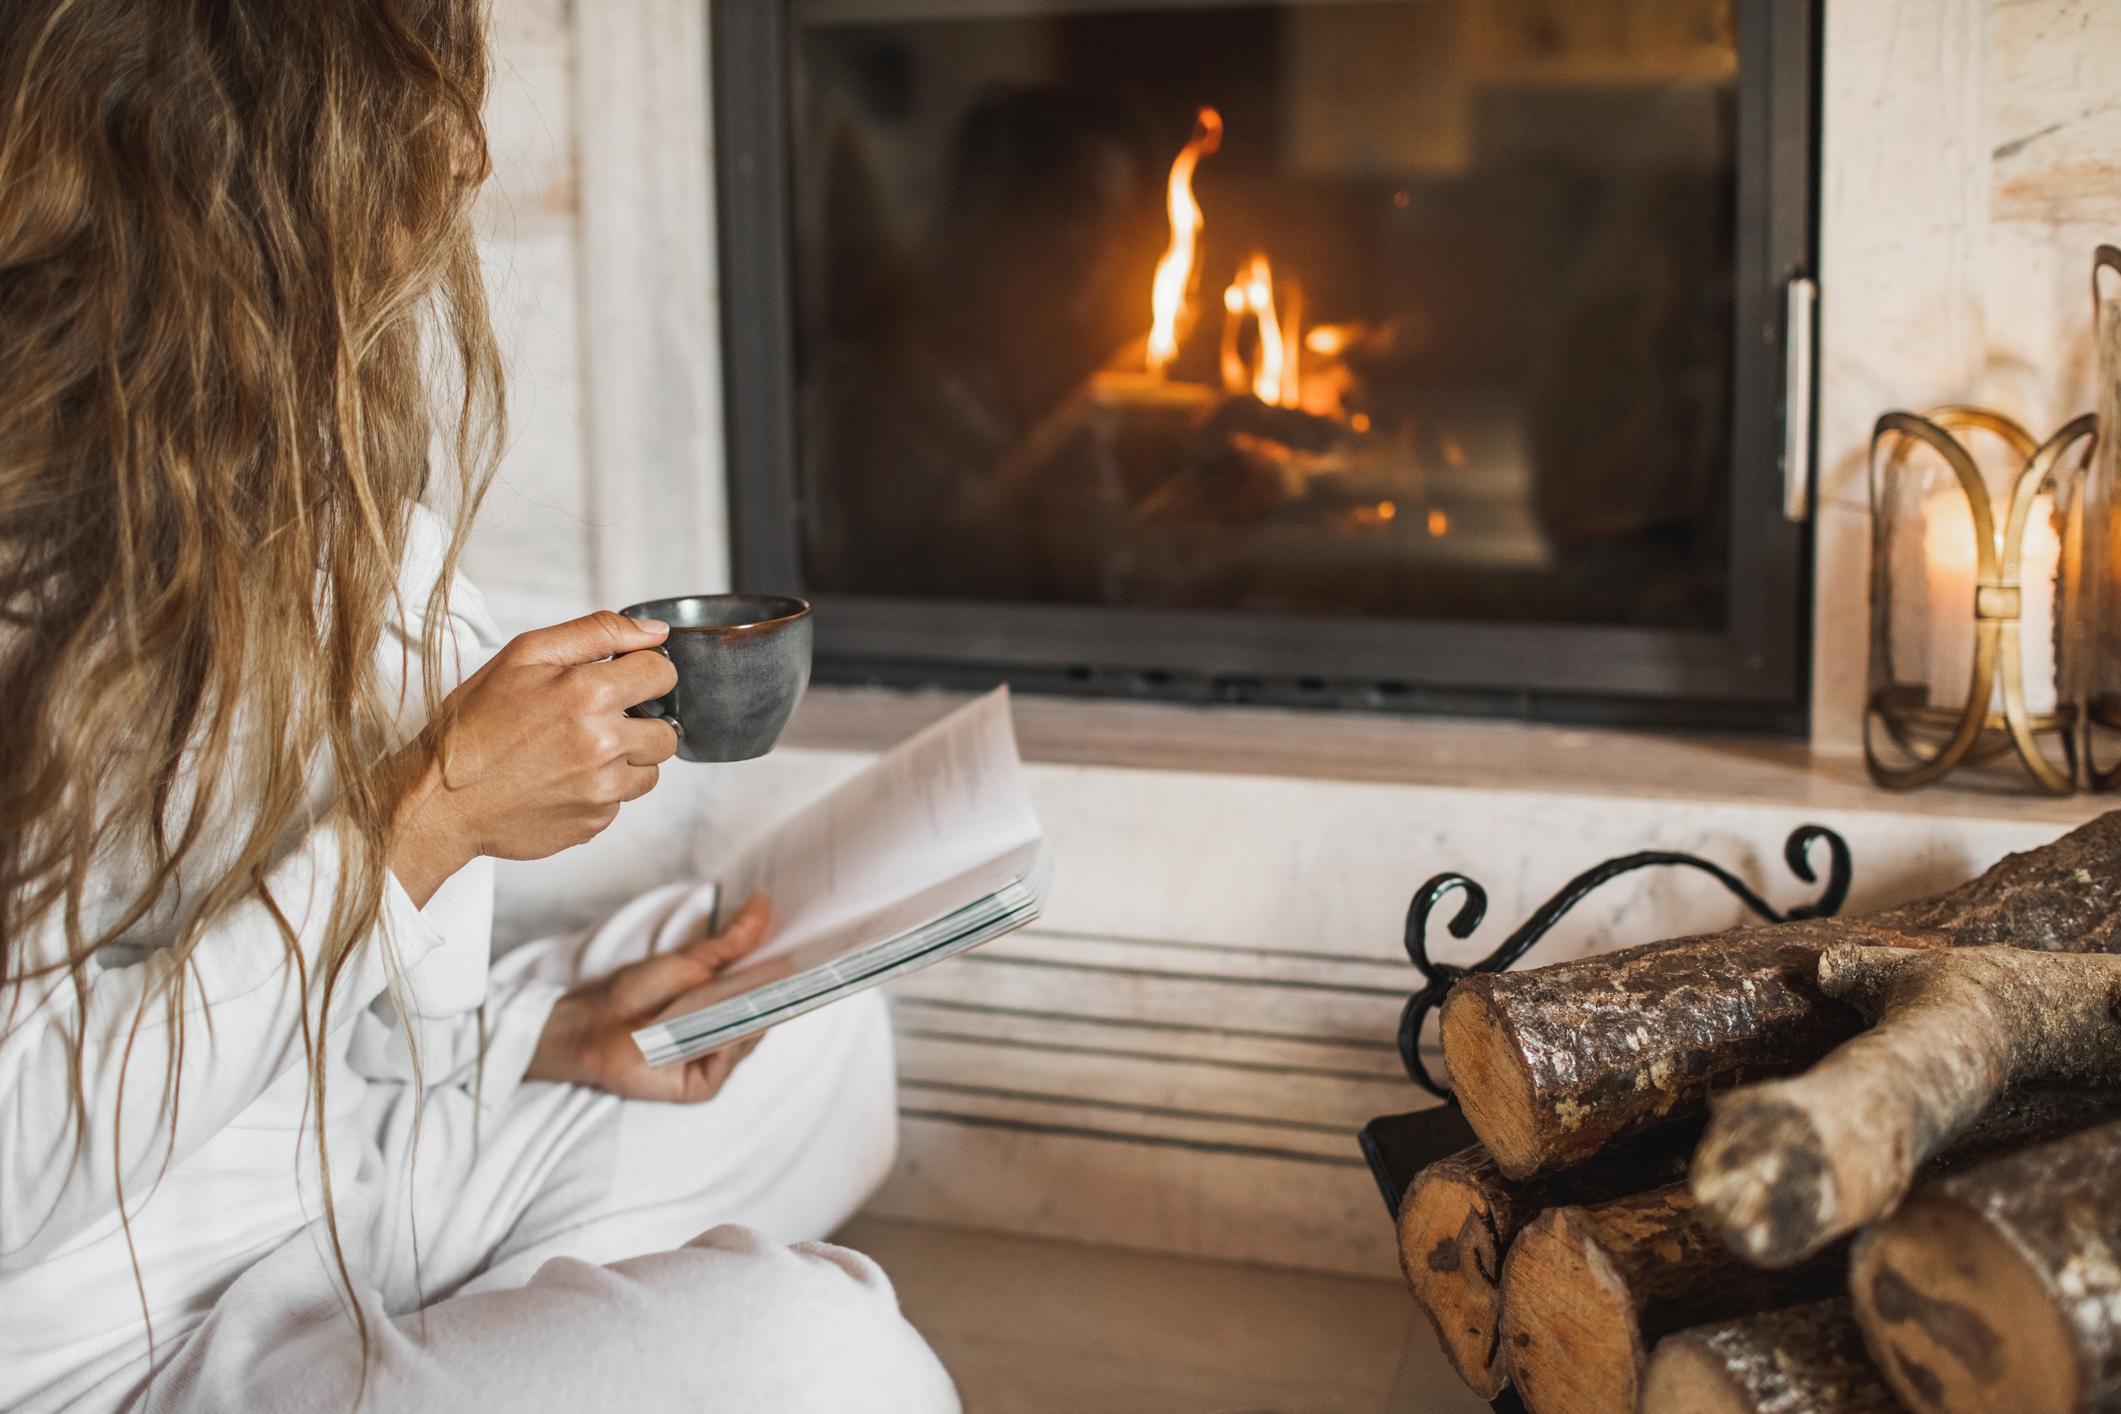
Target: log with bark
{"x": 1788, "y": 1166}
{"x": 1554, "y": 1063}
{"x": 1588, "y": 1292}
{"x": 1805, "y": 1359}
{"x": 1999, "y": 1288}
{"x": 1460, "y": 1215}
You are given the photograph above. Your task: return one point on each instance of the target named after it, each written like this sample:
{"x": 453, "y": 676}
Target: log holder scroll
{"x": 1440, "y": 977}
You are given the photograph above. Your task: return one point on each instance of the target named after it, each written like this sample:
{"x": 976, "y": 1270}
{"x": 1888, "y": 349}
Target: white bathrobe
{"x": 513, "y": 1245}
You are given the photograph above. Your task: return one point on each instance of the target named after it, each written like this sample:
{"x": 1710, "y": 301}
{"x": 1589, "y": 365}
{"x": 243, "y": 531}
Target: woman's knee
{"x": 808, "y": 1327}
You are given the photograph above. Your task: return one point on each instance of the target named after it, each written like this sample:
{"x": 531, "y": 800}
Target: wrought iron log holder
{"x": 1440, "y": 977}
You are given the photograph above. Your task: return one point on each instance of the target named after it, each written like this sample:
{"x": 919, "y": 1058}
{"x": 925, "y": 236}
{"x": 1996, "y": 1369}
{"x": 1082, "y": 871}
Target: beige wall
{"x": 599, "y": 252}
{"x": 532, "y": 553}
{"x": 1972, "y": 156}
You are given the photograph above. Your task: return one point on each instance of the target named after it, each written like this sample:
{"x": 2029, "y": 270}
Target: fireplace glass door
{"x": 1363, "y": 349}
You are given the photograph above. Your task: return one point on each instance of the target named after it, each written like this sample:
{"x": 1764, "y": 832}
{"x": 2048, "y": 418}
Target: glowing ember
{"x": 1328, "y": 339}
{"x": 1366, "y": 517}
{"x": 1439, "y": 523}
{"x": 1174, "y": 273}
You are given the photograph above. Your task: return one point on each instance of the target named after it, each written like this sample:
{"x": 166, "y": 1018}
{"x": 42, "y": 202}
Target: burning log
{"x": 1460, "y": 1216}
{"x": 1552, "y": 1064}
{"x": 1588, "y": 1292}
{"x": 1799, "y": 1360}
{"x": 1788, "y": 1166}
{"x": 1998, "y": 1288}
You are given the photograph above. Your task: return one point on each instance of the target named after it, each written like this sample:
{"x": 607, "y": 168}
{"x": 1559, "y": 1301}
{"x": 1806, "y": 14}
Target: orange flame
{"x": 1174, "y": 273}
{"x": 1259, "y": 296}
{"x": 1273, "y": 377}
{"x": 1235, "y": 375}
{"x": 1292, "y": 321}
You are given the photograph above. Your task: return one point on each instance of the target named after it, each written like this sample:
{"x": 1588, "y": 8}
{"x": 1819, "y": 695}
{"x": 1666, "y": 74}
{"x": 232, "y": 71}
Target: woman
{"x": 273, "y": 1134}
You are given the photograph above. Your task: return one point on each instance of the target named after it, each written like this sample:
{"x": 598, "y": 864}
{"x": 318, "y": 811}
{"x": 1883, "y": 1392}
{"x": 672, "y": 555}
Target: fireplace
{"x": 1415, "y": 354}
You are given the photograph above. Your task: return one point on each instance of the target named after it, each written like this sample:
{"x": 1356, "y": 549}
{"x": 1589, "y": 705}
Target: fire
{"x": 1273, "y": 377}
{"x": 1328, "y": 339}
{"x": 1235, "y": 375}
{"x": 1258, "y": 282}
{"x": 1174, "y": 273}
{"x": 1273, "y": 374}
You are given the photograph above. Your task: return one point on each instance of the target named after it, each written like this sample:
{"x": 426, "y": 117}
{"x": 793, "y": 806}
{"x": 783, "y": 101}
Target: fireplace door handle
{"x": 1800, "y": 312}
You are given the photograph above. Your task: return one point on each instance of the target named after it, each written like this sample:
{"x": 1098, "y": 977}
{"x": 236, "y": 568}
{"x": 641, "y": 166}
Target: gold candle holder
{"x": 1966, "y": 576}
{"x": 2101, "y": 572}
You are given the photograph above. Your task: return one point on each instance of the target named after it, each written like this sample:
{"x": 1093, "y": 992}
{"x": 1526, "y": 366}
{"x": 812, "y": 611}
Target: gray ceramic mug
{"x": 743, "y": 661}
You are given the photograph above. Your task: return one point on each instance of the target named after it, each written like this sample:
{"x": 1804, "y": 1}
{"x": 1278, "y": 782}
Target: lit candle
{"x": 1952, "y": 567}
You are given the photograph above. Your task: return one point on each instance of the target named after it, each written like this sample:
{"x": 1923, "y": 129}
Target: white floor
{"x": 1030, "y": 1326}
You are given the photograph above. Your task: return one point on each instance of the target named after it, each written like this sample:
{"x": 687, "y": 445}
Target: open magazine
{"x": 931, "y": 850}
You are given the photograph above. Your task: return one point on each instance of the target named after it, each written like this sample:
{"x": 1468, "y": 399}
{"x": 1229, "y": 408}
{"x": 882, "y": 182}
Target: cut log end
{"x": 1491, "y": 1082}
{"x": 1763, "y": 1179}
{"x": 1796, "y": 1360}
{"x": 1569, "y": 1327}
{"x": 1451, "y": 1251}
{"x": 1687, "y": 1378}
{"x": 1957, "y": 1321}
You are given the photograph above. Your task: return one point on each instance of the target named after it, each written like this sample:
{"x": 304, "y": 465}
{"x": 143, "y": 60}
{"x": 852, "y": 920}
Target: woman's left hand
{"x": 589, "y": 1038}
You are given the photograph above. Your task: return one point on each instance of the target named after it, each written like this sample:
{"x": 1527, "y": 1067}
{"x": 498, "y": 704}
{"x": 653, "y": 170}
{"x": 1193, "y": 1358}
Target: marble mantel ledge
{"x": 1427, "y": 751}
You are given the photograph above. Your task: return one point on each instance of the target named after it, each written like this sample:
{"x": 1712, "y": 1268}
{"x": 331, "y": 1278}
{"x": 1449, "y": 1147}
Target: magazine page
{"x": 934, "y": 809}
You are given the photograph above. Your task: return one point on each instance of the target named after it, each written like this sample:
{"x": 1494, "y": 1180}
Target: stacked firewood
{"x": 1834, "y": 1165}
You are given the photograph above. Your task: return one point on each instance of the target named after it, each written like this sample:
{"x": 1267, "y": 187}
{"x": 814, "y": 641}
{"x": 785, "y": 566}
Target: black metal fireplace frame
{"x": 1751, "y": 675}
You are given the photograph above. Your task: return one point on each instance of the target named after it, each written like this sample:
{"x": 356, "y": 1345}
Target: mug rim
{"x": 801, "y": 611}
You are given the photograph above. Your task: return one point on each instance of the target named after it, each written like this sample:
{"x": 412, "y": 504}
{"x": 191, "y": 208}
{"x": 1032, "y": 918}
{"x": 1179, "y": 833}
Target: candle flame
{"x": 1174, "y": 273}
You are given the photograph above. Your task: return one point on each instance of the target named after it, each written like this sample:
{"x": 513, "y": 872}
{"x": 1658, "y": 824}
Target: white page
{"x": 747, "y": 1001}
{"x": 938, "y": 806}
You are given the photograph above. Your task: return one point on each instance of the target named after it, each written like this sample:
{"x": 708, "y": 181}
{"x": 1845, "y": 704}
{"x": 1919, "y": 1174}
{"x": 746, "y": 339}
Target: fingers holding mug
{"x": 631, "y": 679}
{"x": 648, "y": 741}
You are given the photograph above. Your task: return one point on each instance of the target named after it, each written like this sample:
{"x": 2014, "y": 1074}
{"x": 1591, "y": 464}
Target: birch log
{"x": 1552, "y": 1064}
{"x": 1460, "y": 1215}
{"x": 1805, "y": 1359}
{"x": 1788, "y": 1166}
{"x": 1588, "y": 1292}
{"x": 2000, "y": 1288}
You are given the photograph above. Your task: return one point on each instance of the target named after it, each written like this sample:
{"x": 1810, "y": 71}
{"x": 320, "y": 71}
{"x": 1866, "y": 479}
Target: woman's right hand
{"x": 537, "y": 754}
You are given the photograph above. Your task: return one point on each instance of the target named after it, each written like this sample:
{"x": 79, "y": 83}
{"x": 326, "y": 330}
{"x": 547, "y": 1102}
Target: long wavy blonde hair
{"x": 238, "y": 297}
